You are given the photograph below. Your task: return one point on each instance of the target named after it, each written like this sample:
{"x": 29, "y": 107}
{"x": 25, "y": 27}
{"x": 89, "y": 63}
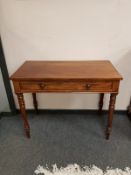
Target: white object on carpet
{"x": 77, "y": 170}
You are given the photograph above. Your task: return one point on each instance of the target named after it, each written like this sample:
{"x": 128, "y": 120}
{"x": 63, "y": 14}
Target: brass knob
{"x": 42, "y": 85}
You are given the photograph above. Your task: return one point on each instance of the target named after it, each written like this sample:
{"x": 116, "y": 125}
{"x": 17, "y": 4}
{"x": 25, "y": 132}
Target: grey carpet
{"x": 63, "y": 139}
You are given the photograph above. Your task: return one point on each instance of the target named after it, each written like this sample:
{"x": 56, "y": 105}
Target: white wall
{"x": 68, "y": 30}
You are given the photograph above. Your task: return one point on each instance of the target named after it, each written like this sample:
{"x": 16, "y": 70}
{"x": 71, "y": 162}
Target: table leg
{"x": 23, "y": 113}
{"x": 129, "y": 110}
{"x": 101, "y": 103}
{"x": 110, "y": 114}
{"x": 35, "y": 103}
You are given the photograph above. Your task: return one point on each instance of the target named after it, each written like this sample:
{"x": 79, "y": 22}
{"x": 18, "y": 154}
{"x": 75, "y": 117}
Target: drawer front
{"x": 67, "y": 86}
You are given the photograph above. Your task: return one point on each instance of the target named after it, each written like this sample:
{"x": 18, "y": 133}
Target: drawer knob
{"x": 88, "y": 86}
{"x": 42, "y": 85}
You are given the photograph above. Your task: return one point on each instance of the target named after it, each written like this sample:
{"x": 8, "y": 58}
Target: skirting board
{"x": 59, "y": 111}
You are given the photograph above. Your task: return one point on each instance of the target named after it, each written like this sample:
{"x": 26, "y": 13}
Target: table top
{"x": 56, "y": 70}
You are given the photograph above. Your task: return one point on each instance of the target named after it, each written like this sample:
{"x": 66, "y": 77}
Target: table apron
{"x": 67, "y": 86}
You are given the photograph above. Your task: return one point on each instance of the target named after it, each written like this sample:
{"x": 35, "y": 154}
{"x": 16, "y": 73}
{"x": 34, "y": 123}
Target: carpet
{"x": 75, "y": 169}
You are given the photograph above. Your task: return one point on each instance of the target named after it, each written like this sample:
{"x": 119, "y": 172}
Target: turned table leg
{"x": 35, "y": 103}
{"x": 23, "y": 113}
{"x": 129, "y": 110}
{"x": 110, "y": 114}
{"x": 101, "y": 103}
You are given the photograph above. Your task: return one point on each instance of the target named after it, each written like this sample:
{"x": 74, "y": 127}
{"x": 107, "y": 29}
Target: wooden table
{"x": 66, "y": 76}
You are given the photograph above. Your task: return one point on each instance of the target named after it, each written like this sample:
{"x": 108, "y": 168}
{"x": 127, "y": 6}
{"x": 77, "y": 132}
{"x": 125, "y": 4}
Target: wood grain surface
{"x": 49, "y": 70}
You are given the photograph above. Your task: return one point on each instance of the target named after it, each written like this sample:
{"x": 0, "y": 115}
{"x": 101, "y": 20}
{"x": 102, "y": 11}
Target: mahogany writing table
{"x": 66, "y": 76}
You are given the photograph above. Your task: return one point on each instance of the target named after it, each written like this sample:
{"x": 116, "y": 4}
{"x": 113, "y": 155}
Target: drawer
{"x": 66, "y": 86}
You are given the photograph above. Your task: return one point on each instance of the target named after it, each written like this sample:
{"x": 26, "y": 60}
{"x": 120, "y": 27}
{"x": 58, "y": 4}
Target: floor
{"x": 63, "y": 138}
